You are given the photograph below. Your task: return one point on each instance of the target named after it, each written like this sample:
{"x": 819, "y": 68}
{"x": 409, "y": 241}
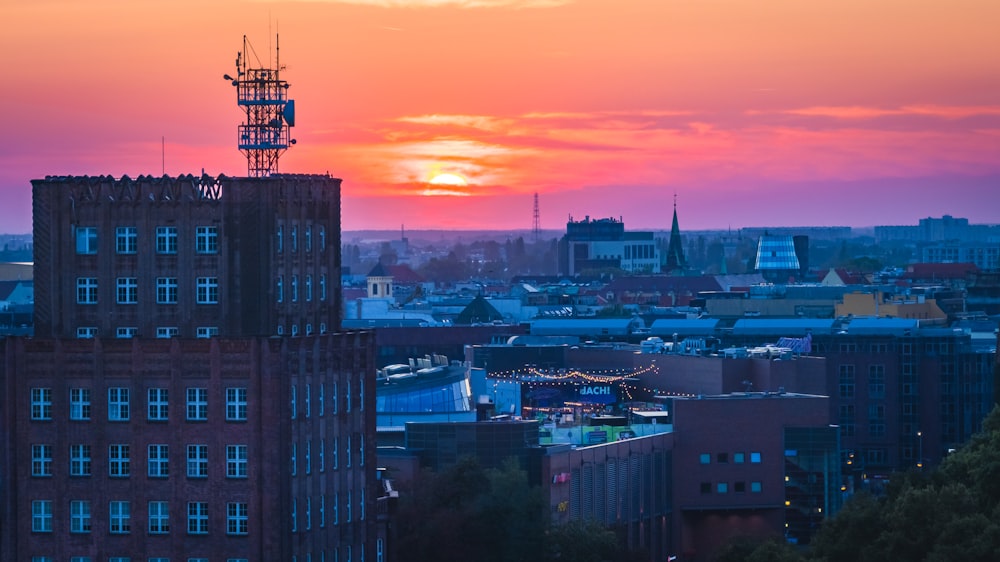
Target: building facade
{"x": 158, "y": 413}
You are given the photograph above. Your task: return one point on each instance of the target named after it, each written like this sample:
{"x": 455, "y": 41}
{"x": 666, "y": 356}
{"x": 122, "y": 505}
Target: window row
{"x": 723, "y": 458}
{"x": 206, "y": 240}
{"x": 295, "y": 329}
{"x": 294, "y": 287}
{"x": 161, "y": 331}
{"x": 206, "y": 290}
{"x": 157, "y": 460}
{"x": 120, "y": 517}
{"x": 739, "y": 487}
{"x": 129, "y": 559}
{"x": 307, "y": 454}
{"x": 293, "y": 238}
{"x": 337, "y": 509}
{"x": 157, "y": 404}
{"x": 305, "y": 399}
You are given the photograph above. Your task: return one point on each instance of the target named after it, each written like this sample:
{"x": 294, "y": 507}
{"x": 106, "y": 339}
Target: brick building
{"x": 157, "y": 414}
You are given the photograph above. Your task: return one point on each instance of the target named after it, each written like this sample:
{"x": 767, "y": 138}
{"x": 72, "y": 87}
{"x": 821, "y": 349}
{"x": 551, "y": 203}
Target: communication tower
{"x": 536, "y": 225}
{"x": 263, "y": 96}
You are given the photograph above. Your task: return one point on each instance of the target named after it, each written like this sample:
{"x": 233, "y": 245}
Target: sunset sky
{"x": 754, "y": 112}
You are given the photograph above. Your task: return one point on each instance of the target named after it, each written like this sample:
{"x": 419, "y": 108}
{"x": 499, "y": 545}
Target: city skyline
{"x": 451, "y": 114}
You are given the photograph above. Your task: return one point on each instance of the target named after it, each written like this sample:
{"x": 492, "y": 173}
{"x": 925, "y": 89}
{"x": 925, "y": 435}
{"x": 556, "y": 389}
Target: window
{"x": 197, "y": 404}
{"x": 79, "y": 559}
{"x": 79, "y": 460}
{"x": 347, "y": 397}
{"x": 41, "y": 403}
{"x": 126, "y": 332}
{"x": 197, "y": 461}
{"x": 295, "y": 288}
{"x": 295, "y": 239}
{"x": 79, "y": 404}
{"x": 86, "y": 290}
{"x": 158, "y": 465}
{"x": 236, "y": 518}
{"x": 207, "y": 331}
{"x": 308, "y": 457}
{"x": 876, "y": 381}
{"x": 322, "y": 290}
{"x": 118, "y": 460}
{"x": 120, "y": 520}
{"x": 86, "y": 240}
{"x": 739, "y": 487}
{"x": 293, "y": 407}
{"x": 322, "y": 238}
{"x": 347, "y": 450}
{"x": 349, "y": 504}
{"x": 166, "y": 290}
{"x": 280, "y": 292}
{"x": 236, "y": 461}
{"x": 279, "y": 235}
{"x": 722, "y": 487}
{"x": 127, "y": 291}
{"x": 41, "y": 460}
{"x": 722, "y": 457}
{"x": 322, "y": 455}
{"x": 322, "y": 511}
{"x": 207, "y": 240}
{"x": 167, "y": 332}
{"x": 309, "y": 238}
{"x": 321, "y": 397}
{"x": 118, "y": 404}
{"x": 197, "y": 522}
{"x": 847, "y": 416}
{"x": 157, "y": 404}
{"x": 79, "y": 516}
{"x": 126, "y": 238}
{"x": 308, "y": 400}
{"x": 86, "y": 332}
{"x": 41, "y": 559}
{"x": 755, "y": 487}
{"x": 294, "y": 458}
{"x": 207, "y": 290}
{"x": 41, "y": 516}
{"x": 159, "y": 518}
{"x": 739, "y": 458}
{"x": 309, "y": 288}
{"x": 336, "y": 453}
{"x": 754, "y": 457}
{"x": 295, "y": 515}
{"x": 166, "y": 240}
{"x": 336, "y": 509}
{"x": 309, "y": 517}
{"x": 847, "y": 382}
{"x": 236, "y": 404}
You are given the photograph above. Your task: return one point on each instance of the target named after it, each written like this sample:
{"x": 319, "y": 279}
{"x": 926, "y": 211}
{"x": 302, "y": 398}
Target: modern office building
{"x": 593, "y": 245}
{"x": 158, "y": 413}
{"x": 780, "y": 258}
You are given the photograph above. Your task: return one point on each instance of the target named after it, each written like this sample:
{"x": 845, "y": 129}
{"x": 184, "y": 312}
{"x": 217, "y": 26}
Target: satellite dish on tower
{"x": 289, "y": 113}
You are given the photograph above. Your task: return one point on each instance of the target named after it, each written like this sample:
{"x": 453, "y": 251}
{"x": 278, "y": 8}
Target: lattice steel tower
{"x": 266, "y": 133}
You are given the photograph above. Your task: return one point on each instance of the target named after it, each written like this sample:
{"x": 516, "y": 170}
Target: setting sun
{"x": 448, "y": 179}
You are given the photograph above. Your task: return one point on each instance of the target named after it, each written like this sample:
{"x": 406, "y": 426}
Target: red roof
{"x": 402, "y": 274}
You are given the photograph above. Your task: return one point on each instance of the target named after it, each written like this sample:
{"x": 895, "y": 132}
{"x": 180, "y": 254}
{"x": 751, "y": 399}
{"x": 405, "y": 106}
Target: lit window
{"x": 322, "y": 238}
{"x": 119, "y": 462}
{"x": 79, "y": 460}
{"x": 207, "y": 331}
{"x": 197, "y": 404}
{"x": 739, "y": 458}
{"x": 347, "y": 450}
{"x": 322, "y": 455}
{"x": 41, "y": 516}
{"x": 167, "y": 332}
{"x": 236, "y": 404}
{"x": 86, "y": 290}
{"x": 79, "y": 404}
{"x": 722, "y": 487}
{"x": 197, "y": 521}
{"x": 236, "y": 518}
{"x": 41, "y": 460}
{"x": 127, "y": 291}
{"x": 309, "y": 288}
{"x": 308, "y": 457}
{"x": 280, "y": 239}
{"x": 336, "y": 452}
{"x": 86, "y": 240}
{"x": 166, "y": 290}
{"x": 85, "y": 332}
{"x": 349, "y": 505}
{"x": 41, "y": 403}
{"x": 159, "y": 518}
{"x": 197, "y": 461}
{"x": 295, "y": 239}
{"x": 121, "y": 515}
{"x": 126, "y": 332}
{"x": 79, "y": 516}
{"x": 755, "y": 487}
{"x": 294, "y": 458}
{"x": 207, "y": 240}
{"x": 295, "y": 515}
{"x": 309, "y": 517}
{"x": 308, "y": 400}
{"x": 236, "y": 461}
{"x": 321, "y": 398}
{"x": 280, "y": 293}
{"x": 755, "y": 457}
{"x": 166, "y": 240}
{"x": 322, "y": 288}
{"x": 347, "y": 397}
{"x": 322, "y": 511}
{"x": 157, "y": 404}
{"x": 333, "y": 402}
{"x": 118, "y": 407}
{"x": 207, "y": 290}
{"x": 293, "y": 407}
{"x": 295, "y": 288}
{"x": 158, "y": 462}
{"x": 126, "y": 240}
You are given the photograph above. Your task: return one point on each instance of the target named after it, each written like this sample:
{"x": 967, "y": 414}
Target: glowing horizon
{"x": 775, "y": 112}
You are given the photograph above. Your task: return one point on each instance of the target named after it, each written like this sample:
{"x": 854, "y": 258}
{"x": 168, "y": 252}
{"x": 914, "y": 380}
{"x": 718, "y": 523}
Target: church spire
{"x": 675, "y": 251}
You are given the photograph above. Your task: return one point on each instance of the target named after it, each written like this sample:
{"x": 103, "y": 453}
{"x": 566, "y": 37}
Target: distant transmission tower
{"x": 266, "y": 133}
{"x": 536, "y": 225}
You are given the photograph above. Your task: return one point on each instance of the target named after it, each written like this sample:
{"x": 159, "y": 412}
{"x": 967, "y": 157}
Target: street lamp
{"x": 920, "y": 450}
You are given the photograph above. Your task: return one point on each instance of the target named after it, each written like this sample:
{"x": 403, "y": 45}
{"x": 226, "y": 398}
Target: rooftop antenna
{"x": 263, "y": 96}
{"x": 536, "y": 225}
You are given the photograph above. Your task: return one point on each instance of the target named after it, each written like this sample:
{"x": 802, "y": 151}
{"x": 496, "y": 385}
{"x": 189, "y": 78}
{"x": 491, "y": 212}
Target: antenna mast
{"x": 266, "y": 133}
{"x": 536, "y": 225}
